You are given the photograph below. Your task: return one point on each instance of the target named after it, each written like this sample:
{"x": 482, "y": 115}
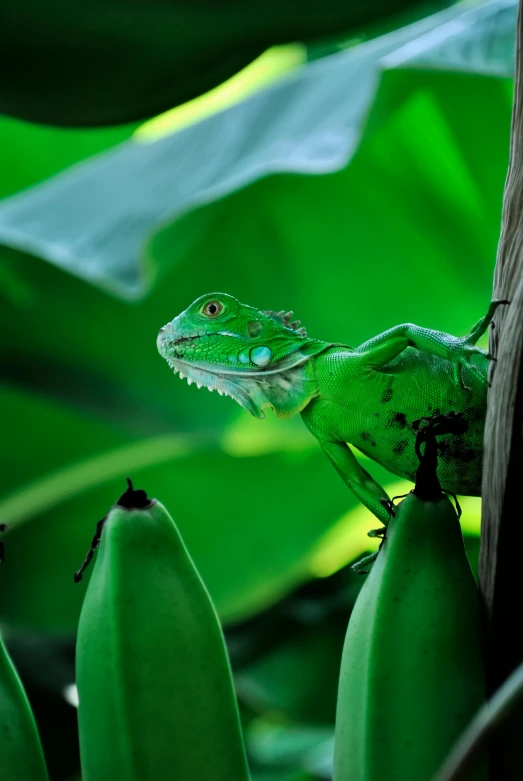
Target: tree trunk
{"x": 501, "y": 555}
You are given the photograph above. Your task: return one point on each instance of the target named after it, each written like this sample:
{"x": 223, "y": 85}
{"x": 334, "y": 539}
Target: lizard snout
{"x": 162, "y": 336}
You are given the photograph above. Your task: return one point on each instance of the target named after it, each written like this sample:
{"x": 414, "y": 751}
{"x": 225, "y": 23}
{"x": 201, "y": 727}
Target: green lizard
{"x": 368, "y": 397}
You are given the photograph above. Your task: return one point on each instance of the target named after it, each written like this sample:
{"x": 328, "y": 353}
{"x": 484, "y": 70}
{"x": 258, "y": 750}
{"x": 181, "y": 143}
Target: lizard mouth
{"x": 165, "y": 340}
{"x": 181, "y": 339}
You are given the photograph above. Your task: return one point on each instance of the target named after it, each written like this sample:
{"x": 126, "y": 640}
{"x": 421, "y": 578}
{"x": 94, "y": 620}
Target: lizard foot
{"x": 461, "y": 350}
{"x": 461, "y": 355}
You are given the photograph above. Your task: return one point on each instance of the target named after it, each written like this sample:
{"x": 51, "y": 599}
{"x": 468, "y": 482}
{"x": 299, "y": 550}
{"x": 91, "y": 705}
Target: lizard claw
{"x": 388, "y": 504}
{"x": 457, "y": 369}
{"x": 462, "y": 356}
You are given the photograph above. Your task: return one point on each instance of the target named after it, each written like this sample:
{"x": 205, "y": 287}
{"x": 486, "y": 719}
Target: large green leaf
{"x": 31, "y": 153}
{"x": 97, "y": 220}
{"x": 93, "y": 62}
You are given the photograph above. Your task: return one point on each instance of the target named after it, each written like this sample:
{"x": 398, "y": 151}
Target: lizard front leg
{"x": 361, "y": 483}
{"x": 385, "y": 347}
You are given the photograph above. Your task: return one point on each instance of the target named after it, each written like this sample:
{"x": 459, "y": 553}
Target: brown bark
{"x": 501, "y": 556}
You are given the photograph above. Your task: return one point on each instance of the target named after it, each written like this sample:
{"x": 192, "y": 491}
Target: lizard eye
{"x": 212, "y": 309}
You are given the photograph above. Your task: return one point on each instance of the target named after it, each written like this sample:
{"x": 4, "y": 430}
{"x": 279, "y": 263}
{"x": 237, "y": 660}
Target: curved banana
{"x": 153, "y": 676}
{"x": 21, "y": 755}
{"x": 412, "y": 671}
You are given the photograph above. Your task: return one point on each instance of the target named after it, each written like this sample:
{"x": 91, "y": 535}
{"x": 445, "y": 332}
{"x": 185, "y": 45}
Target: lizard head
{"x": 259, "y": 358}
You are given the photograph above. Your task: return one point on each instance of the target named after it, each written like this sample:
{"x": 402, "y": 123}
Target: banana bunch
{"x": 412, "y": 673}
{"x": 154, "y": 683}
{"x": 21, "y": 756}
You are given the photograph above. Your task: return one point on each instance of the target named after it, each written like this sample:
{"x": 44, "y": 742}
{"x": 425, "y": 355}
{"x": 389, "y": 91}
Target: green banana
{"x": 412, "y": 672}
{"x": 156, "y": 699}
{"x": 21, "y": 755}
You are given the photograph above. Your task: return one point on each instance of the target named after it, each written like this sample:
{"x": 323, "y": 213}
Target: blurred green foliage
{"x": 406, "y": 230}
{"x": 362, "y": 189}
{"x": 93, "y": 63}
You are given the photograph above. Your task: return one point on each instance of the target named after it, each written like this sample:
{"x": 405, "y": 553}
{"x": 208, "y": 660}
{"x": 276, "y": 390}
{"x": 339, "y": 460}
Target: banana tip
{"x": 133, "y": 499}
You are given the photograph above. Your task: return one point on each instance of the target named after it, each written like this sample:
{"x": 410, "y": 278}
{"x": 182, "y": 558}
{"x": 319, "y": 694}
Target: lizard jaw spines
{"x": 285, "y": 317}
